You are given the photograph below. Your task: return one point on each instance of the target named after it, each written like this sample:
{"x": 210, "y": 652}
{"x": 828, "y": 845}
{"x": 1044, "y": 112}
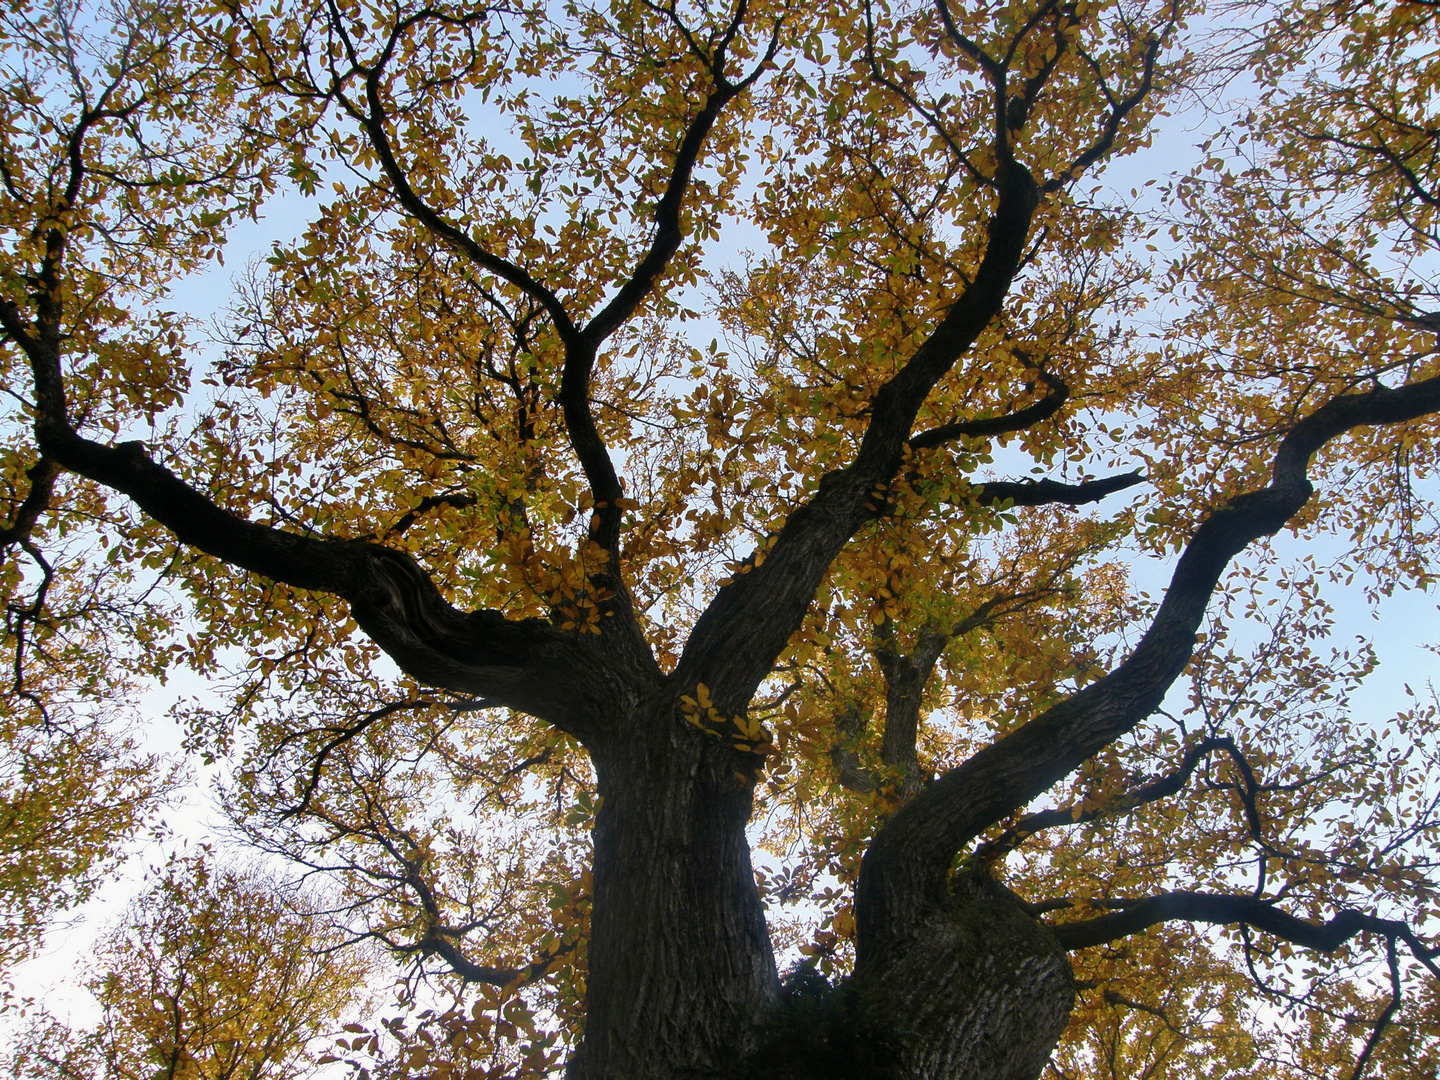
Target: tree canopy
{"x": 210, "y": 976}
{"x": 662, "y": 534}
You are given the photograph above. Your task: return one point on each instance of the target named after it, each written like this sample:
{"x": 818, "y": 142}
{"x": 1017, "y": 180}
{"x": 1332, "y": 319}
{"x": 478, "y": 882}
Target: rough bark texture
{"x": 905, "y": 679}
{"x": 682, "y": 972}
{"x": 977, "y": 990}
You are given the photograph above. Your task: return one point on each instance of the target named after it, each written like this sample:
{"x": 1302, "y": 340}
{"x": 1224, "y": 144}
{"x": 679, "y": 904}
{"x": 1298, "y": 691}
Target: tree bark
{"x": 975, "y": 989}
{"x": 682, "y": 976}
{"x": 682, "y": 973}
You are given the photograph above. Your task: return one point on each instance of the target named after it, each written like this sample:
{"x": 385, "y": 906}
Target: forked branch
{"x": 374, "y": 119}
{"x": 390, "y": 596}
{"x": 736, "y": 639}
{"x": 1172, "y": 783}
{"x": 1134, "y": 916}
{"x": 581, "y": 354}
{"x": 905, "y": 869}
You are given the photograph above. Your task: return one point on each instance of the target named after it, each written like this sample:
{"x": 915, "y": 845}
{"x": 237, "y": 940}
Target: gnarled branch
{"x": 393, "y": 600}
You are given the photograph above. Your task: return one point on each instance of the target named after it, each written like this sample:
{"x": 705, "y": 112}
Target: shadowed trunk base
{"x": 978, "y": 991}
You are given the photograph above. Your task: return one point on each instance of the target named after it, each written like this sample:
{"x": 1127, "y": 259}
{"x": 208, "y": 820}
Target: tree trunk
{"x": 681, "y": 969}
{"x": 976, "y": 989}
{"x": 682, "y": 977}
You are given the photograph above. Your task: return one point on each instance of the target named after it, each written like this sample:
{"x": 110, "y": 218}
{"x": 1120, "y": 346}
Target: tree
{"x": 209, "y": 977}
{"x": 71, "y": 794}
{"x": 647, "y": 602}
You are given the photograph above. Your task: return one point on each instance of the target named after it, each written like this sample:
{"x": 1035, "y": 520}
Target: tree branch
{"x": 456, "y": 500}
{"x": 905, "y": 679}
{"x": 1119, "y": 110}
{"x": 906, "y": 868}
{"x": 990, "y": 426}
{"x": 373, "y": 119}
{"x": 1049, "y": 492}
{"x": 344, "y": 735}
{"x": 483, "y": 653}
{"x": 746, "y": 625}
{"x": 668, "y": 232}
{"x": 1224, "y": 910}
{"x": 392, "y": 599}
{"x": 1170, "y": 784}
{"x": 906, "y": 675}
{"x": 580, "y": 355}
{"x": 1386, "y": 1014}
{"x": 37, "y": 500}
{"x": 444, "y": 947}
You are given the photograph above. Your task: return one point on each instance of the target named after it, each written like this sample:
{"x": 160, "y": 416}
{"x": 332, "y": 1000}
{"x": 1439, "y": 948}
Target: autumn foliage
{"x": 661, "y": 539}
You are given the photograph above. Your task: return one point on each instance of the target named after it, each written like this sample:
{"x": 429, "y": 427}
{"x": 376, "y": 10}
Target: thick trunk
{"x": 682, "y": 972}
{"x": 682, "y": 979}
{"x": 976, "y": 989}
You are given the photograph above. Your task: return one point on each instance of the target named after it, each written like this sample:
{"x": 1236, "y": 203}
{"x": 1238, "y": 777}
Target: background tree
{"x": 210, "y": 976}
{"x": 538, "y": 612}
{"x": 71, "y": 794}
